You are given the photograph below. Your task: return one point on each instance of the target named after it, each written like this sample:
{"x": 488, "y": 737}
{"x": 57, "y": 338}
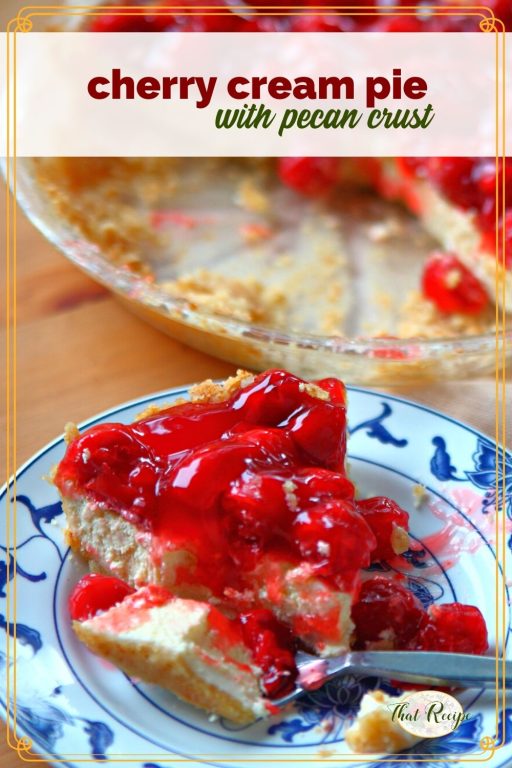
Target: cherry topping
{"x": 453, "y": 627}
{"x": 95, "y": 593}
{"x": 256, "y": 508}
{"x": 273, "y": 647}
{"x": 311, "y": 176}
{"x": 386, "y": 613}
{"x": 451, "y": 286}
{"x": 453, "y": 176}
{"x": 384, "y": 517}
{"x": 322, "y": 24}
{"x": 314, "y": 484}
{"x": 506, "y": 233}
{"x": 119, "y": 22}
{"x": 223, "y": 481}
{"x": 335, "y": 537}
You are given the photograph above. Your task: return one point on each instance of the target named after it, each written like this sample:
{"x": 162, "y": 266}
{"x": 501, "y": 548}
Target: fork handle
{"x": 452, "y": 669}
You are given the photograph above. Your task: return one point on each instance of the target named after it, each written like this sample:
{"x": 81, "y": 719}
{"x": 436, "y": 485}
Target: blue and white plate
{"x": 72, "y": 706}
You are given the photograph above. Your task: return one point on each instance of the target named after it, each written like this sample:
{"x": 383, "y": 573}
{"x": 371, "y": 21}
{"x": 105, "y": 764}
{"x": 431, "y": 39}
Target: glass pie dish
{"x": 194, "y": 248}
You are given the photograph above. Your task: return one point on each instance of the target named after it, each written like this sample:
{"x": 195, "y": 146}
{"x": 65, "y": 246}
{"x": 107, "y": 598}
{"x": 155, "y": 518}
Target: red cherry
{"x": 399, "y": 24}
{"x": 311, "y": 176}
{"x": 95, "y": 593}
{"x": 502, "y": 9}
{"x": 383, "y": 516}
{"x": 386, "y": 613}
{"x": 506, "y": 232}
{"x": 335, "y": 536}
{"x": 451, "y": 286}
{"x": 126, "y": 22}
{"x": 412, "y": 166}
{"x": 454, "y": 177}
{"x": 453, "y": 628}
{"x": 220, "y": 23}
{"x": 322, "y": 24}
{"x": 314, "y": 484}
{"x": 317, "y": 431}
{"x": 256, "y": 508}
{"x": 273, "y": 650}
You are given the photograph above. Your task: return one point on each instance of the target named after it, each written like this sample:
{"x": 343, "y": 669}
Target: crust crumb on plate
{"x": 373, "y": 730}
{"x": 420, "y": 495}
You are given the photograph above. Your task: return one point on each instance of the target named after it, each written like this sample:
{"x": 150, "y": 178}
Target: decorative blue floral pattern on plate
{"x": 486, "y": 459}
{"x": 69, "y": 703}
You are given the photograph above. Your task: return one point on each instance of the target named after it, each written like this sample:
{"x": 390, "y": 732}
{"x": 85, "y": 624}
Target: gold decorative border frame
{"x": 23, "y": 23}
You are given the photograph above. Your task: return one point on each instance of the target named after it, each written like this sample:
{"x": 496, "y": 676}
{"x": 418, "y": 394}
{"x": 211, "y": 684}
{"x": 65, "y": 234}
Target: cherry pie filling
{"x": 257, "y": 477}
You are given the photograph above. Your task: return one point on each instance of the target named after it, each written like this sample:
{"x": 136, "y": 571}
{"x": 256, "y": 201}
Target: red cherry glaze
{"x": 321, "y": 24}
{"x": 310, "y": 176}
{"x": 386, "y": 613}
{"x": 506, "y": 234}
{"x": 453, "y": 628}
{"x": 228, "y": 481}
{"x": 451, "y": 286}
{"x": 314, "y": 484}
{"x": 95, "y": 593}
{"x": 152, "y": 21}
{"x": 502, "y": 9}
{"x": 335, "y": 538}
{"x": 455, "y": 178}
{"x": 399, "y": 24}
{"x": 123, "y": 21}
{"x": 383, "y": 516}
{"x": 273, "y": 649}
{"x": 335, "y": 389}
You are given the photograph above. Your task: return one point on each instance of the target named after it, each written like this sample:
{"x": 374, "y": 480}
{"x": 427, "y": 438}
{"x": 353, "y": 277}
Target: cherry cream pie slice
{"x": 239, "y": 496}
{"x": 235, "y": 507}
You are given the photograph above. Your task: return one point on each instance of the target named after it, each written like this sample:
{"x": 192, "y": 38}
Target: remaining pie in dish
{"x": 227, "y": 535}
{"x": 463, "y": 203}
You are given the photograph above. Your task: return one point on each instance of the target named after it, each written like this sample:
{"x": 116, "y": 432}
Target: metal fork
{"x": 458, "y": 670}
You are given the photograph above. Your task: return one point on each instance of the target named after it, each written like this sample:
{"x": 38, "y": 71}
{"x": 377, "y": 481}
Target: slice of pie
{"x": 239, "y": 496}
{"x": 187, "y": 646}
{"x": 227, "y": 536}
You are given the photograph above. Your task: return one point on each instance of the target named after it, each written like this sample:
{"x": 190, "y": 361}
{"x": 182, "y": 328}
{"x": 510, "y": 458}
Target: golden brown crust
{"x": 70, "y": 432}
{"x": 173, "y": 673}
{"x": 209, "y": 391}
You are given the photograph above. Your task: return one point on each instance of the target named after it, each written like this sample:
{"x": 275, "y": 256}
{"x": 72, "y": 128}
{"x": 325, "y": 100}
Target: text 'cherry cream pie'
{"x": 225, "y": 535}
